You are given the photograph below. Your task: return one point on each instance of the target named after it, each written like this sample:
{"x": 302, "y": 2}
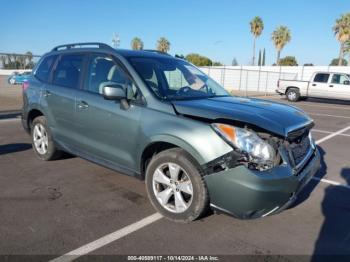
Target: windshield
{"x": 175, "y": 79}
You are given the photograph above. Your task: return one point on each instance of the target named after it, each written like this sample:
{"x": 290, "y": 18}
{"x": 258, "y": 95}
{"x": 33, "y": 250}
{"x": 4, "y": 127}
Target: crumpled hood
{"x": 275, "y": 117}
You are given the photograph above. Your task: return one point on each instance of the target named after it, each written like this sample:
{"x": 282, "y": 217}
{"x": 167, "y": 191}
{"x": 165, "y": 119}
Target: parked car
{"x": 18, "y": 78}
{"x": 161, "y": 119}
{"x": 321, "y": 85}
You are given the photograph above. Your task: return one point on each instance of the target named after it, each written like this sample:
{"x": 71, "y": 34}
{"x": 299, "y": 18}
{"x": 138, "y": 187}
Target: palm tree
{"x": 280, "y": 37}
{"x": 347, "y": 49}
{"x": 163, "y": 45}
{"x": 256, "y": 28}
{"x": 136, "y": 44}
{"x": 342, "y": 32}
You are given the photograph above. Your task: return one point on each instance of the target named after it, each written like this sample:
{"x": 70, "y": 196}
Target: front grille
{"x": 300, "y": 150}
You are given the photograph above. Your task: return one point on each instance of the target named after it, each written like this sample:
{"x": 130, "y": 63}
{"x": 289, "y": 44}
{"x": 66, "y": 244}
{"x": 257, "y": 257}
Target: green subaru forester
{"x": 159, "y": 118}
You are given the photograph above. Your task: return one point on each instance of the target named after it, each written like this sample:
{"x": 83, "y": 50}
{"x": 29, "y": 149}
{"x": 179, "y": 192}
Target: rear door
{"x": 340, "y": 84}
{"x": 320, "y": 87}
{"x": 107, "y": 131}
{"x": 59, "y": 98}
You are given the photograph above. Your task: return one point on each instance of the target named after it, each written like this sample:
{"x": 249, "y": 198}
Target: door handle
{"x": 314, "y": 85}
{"x": 83, "y": 105}
{"x": 46, "y": 93}
{"x": 330, "y": 85}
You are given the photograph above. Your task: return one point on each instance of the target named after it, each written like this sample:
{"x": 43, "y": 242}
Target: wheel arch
{"x": 162, "y": 143}
{"x": 32, "y": 114}
{"x": 292, "y": 87}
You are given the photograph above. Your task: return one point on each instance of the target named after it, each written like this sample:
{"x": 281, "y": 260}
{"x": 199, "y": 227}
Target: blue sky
{"x": 218, "y": 29}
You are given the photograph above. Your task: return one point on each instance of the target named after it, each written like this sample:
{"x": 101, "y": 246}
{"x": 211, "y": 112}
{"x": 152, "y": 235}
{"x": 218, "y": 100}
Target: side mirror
{"x": 114, "y": 92}
{"x": 346, "y": 82}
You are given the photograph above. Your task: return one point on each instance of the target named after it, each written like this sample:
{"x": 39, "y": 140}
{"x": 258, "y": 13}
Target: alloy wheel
{"x": 40, "y": 139}
{"x": 172, "y": 187}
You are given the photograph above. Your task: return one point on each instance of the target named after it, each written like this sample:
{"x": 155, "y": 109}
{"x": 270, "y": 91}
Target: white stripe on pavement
{"x": 326, "y": 132}
{"x": 336, "y": 116}
{"x": 334, "y": 183}
{"x": 333, "y": 134}
{"x": 70, "y": 256}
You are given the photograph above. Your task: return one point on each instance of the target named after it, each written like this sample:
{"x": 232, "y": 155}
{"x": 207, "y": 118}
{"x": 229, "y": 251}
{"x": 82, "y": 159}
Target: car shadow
{"x": 14, "y": 148}
{"x": 333, "y": 242}
{"x": 310, "y": 187}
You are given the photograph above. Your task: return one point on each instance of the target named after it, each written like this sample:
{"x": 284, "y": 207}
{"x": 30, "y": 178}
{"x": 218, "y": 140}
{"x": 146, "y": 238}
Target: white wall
{"x": 264, "y": 79}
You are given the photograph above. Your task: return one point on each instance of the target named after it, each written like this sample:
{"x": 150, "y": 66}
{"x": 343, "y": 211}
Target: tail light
{"x": 25, "y": 85}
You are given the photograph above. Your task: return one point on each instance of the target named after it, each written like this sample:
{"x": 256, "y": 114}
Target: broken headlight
{"x": 249, "y": 143}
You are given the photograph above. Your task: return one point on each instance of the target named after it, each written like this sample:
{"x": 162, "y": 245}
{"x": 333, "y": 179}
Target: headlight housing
{"x": 247, "y": 142}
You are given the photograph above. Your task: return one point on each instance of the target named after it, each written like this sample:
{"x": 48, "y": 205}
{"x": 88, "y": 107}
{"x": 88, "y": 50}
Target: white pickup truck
{"x": 322, "y": 85}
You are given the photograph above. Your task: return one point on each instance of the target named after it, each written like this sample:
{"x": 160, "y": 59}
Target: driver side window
{"x": 103, "y": 71}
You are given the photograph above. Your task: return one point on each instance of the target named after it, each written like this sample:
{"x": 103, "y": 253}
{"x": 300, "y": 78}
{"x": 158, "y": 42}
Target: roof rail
{"x": 156, "y": 51}
{"x": 80, "y": 45}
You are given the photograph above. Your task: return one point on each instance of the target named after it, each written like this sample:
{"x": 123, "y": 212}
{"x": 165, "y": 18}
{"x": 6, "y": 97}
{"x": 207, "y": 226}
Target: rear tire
{"x": 293, "y": 94}
{"x": 175, "y": 186}
{"x": 42, "y": 142}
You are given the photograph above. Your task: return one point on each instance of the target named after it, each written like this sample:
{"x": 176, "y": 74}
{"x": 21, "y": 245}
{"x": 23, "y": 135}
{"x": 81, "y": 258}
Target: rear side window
{"x": 44, "y": 69}
{"x": 339, "y": 79}
{"x": 68, "y": 71}
{"x": 321, "y": 78}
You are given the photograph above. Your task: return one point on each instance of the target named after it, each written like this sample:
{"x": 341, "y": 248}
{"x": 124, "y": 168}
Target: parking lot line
{"x": 336, "y": 116}
{"x": 333, "y": 134}
{"x": 334, "y": 183}
{"x": 105, "y": 240}
{"x": 326, "y": 132}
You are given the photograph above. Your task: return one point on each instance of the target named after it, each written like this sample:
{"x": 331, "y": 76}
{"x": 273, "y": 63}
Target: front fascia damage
{"x": 261, "y": 192}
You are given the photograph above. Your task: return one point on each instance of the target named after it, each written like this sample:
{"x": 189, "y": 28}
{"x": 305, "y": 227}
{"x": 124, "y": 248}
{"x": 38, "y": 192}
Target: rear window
{"x": 321, "y": 78}
{"x": 68, "y": 71}
{"x": 44, "y": 69}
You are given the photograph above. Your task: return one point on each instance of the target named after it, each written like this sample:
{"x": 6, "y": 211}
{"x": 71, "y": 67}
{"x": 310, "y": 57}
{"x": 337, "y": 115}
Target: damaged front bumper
{"x": 247, "y": 194}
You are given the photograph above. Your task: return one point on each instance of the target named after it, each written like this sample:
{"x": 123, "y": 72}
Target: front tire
{"x": 42, "y": 142}
{"x": 12, "y": 81}
{"x": 175, "y": 186}
{"x": 293, "y": 94}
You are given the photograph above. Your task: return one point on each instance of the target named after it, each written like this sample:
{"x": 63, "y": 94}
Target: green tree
{"x": 280, "y": 37}
{"x": 163, "y": 45}
{"x": 342, "y": 33}
{"x": 288, "y": 61}
{"x": 335, "y": 62}
{"x": 259, "y": 59}
{"x": 256, "y": 28}
{"x": 234, "y": 62}
{"x": 199, "y": 60}
{"x": 136, "y": 43}
{"x": 263, "y": 58}
{"x": 216, "y": 63}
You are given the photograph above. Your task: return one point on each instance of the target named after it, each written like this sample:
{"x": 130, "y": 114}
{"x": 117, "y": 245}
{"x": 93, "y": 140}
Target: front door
{"x": 320, "y": 86}
{"x": 108, "y": 131}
